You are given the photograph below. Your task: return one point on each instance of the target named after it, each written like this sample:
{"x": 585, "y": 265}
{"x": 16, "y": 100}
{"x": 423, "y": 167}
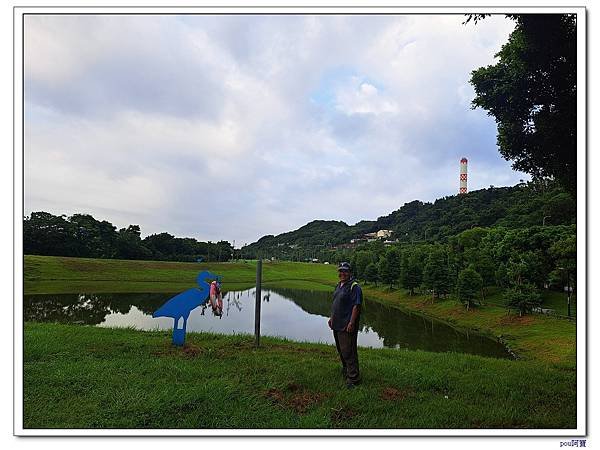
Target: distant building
{"x": 381, "y": 234}
{"x": 384, "y": 233}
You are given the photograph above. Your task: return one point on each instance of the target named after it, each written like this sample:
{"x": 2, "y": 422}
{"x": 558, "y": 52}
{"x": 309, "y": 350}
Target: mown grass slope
{"x": 53, "y": 274}
{"x": 88, "y": 377}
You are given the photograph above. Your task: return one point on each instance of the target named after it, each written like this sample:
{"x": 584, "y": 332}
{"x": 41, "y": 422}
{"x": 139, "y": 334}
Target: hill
{"x": 523, "y": 205}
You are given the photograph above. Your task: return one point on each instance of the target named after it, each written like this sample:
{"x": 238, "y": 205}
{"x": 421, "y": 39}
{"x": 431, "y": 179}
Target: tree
{"x": 361, "y": 261}
{"x": 411, "y": 275}
{"x": 523, "y": 297}
{"x": 392, "y": 256}
{"x": 483, "y": 264}
{"x": 436, "y": 275}
{"x": 47, "y": 234}
{"x": 469, "y": 286}
{"x": 532, "y": 94}
{"x": 389, "y": 266}
{"x": 96, "y": 239}
{"x": 129, "y": 244}
{"x": 565, "y": 252}
{"x": 371, "y": 273}
{"x": 501, "y": 275}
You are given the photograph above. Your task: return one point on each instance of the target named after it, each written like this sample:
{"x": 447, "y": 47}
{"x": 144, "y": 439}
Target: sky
{"x": 234, "y": 127}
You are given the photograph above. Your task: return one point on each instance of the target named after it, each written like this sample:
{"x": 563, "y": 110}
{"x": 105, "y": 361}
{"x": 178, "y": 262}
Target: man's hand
{"x": 329, "y": 323}
{"x": 350, "y": 327}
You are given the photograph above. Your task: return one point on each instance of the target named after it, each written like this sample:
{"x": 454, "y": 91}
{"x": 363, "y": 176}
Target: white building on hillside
{"x": 384, "y": 233}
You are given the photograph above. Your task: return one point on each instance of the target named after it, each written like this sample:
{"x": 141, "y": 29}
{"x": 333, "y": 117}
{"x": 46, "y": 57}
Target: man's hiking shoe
{"x": 352, "y": 384}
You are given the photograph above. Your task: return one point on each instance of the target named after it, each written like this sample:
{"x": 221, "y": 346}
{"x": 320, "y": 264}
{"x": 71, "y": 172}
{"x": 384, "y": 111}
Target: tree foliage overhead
{"x": 532, "y": 94}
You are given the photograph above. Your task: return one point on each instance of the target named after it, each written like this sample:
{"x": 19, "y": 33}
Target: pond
{"x": 294, "y": 314}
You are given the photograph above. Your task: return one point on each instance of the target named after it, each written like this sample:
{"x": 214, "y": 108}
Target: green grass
{"x": 89, "y": 377}
{"x": 550, "y": 299}
{"x": 53, "y": 275}
{"x": 548, "y": 339}
{"x": 539, "y": 337}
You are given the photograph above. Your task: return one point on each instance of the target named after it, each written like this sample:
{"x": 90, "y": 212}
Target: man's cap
{"x": 344, "y": 266}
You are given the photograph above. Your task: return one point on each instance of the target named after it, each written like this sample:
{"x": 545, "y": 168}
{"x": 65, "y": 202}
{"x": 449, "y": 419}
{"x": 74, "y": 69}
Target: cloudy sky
{"x": 233, "y": 127}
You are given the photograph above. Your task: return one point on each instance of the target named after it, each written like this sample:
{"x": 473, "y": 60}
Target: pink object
{"x": 214, "y": 289}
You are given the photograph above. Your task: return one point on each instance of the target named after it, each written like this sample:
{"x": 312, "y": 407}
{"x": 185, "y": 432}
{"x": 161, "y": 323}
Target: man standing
{"x": 345, "y": 315}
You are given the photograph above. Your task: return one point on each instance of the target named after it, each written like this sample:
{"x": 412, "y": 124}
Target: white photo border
{"x": 18, "y": 170}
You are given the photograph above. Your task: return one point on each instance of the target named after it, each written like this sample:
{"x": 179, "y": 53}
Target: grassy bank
{"x": 50, "y": 275}
{"x": 537, "y": 337}
{"x": 88, "y": 377}
{"x": 548, "y": 339}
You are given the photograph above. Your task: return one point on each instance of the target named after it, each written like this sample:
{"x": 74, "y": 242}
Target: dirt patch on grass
{"x": 392, "y": 394}
{"x": 187, "y": 351}
{"x": 191, "y": 350}
{"x": 297, "y": 398}
{"x": 302, "y": 401}
{"x": 516, "y": 320}
{"x": 275, "y": 395}
{"x": 341, "y": 415}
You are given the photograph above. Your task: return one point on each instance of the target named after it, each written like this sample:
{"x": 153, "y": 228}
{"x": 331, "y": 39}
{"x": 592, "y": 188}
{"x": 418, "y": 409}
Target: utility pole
{"x": 257, "y": 303}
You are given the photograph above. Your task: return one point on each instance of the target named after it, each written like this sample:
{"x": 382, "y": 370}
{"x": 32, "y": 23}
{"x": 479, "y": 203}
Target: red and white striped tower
{"x": 463, "y": 176}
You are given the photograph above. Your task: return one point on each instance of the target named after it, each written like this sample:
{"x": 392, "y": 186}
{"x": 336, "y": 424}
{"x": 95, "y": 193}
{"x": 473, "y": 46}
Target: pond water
{"x": 294, "y": 314}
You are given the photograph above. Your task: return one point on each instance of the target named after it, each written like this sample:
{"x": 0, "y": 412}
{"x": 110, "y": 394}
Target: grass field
{"x": 51, "y": 275}
{"x": 88, "y": 377}
{"x": 550, "y": 299}
{"x": 548, "y": 339}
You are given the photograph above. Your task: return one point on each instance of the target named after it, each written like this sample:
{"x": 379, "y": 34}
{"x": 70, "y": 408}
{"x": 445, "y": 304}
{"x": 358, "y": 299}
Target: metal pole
{"x": 568, "y": 294}
{"x": 257, "y": 303}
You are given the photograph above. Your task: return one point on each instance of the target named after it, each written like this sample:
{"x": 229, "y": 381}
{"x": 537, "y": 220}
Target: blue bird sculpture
{"x": 180, "y": 306}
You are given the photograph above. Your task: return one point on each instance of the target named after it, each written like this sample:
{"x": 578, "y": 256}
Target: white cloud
{"x": 359, "y": 97}
{"x": 208, "y": 126}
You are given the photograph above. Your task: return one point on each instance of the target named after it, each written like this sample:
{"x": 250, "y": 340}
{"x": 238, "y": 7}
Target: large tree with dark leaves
{"x": 531, "y": 92}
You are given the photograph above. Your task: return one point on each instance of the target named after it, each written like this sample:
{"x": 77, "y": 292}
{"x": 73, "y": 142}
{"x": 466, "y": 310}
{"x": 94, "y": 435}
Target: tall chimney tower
{"x": 463, "y": 176}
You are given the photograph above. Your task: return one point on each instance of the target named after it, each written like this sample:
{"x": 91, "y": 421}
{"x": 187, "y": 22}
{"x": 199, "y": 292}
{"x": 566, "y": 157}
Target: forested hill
{"x": 523, "y": 205}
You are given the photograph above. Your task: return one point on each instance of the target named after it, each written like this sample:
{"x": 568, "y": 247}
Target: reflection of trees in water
{"x": 90, "y": 309}
{"x": 394, "y": 327}
{"x": 233, "y": 299}
{"x": 399, "y": 329}
{"x": 313, "y": 302}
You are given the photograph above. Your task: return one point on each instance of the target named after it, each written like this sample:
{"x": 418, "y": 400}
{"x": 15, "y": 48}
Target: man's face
{"x": 344, "y": 275}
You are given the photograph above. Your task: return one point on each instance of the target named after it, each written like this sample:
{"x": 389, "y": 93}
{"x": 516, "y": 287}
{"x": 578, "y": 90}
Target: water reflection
{"x": 291, "y": 313}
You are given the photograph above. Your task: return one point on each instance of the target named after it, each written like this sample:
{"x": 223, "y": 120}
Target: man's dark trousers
{"x": 346, "y": 347}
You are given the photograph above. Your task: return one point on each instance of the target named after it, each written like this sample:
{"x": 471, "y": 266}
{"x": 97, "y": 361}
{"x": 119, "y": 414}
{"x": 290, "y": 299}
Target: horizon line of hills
{"x": 540, "y": 202}
{"x": 523, "y": 205}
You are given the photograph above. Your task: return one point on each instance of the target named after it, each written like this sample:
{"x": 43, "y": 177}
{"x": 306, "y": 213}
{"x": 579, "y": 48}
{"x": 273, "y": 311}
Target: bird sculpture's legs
{"x": 179, "y": 333}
